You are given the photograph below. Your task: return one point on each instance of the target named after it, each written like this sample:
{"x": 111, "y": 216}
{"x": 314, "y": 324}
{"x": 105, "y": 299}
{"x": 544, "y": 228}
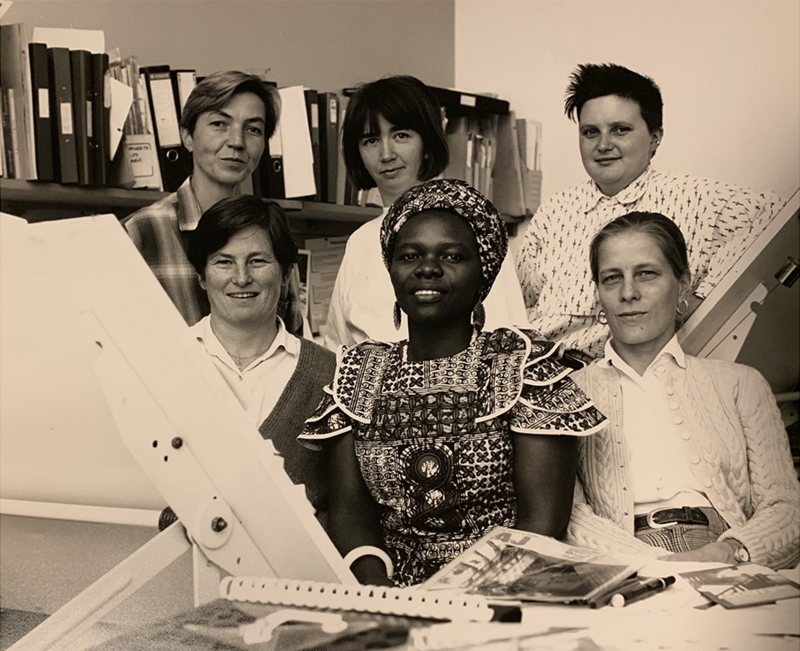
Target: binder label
{"x": 44, "y": 103}
{"x": 467, "y": 100}
{"x": 89, "y": 125}
{"x": 334, "y": 113}
{"x": 66, "y": 118}
{"x": 314, "y": 116}
{"x": 165, "y": 115}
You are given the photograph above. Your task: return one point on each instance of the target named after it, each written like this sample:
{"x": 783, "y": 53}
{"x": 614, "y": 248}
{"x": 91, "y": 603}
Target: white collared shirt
{"x": 259, "y": 386}
{"x": 658, "y": 455}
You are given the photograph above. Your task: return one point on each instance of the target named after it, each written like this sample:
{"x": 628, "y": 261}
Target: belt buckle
{"x": 655, "y": 525}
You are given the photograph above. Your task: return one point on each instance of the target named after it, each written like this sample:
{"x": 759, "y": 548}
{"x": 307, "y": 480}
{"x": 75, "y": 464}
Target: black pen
{"x": 630, "y": 594}
{"x": 604, "y": 598}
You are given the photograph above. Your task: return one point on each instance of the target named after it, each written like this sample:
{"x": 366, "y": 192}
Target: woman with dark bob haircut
{"x": 243, "y": 252}
{"x": 695, "y": 465}
{"x": 392, "y": 139}
{"x": 435, "y": 439}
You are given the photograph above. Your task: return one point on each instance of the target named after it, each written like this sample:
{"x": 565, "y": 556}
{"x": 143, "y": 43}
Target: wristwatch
{"x": 740, "y": 553}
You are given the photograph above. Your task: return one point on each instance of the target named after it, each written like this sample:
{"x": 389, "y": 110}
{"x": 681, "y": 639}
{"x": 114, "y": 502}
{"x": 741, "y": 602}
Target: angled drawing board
{"x": 177, "y": 417}
{"x": 721, "y": 324}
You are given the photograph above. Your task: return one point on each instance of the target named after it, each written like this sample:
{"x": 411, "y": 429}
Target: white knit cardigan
{"x": 738, "y": 449}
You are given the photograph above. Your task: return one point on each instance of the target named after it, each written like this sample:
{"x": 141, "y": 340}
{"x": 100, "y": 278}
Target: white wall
{"x": 729, "y": 71}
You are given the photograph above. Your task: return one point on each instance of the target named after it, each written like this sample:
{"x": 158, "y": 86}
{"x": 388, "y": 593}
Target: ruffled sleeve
{"x": 356, "y": 383}
{"x": 327, "y": 421}
{"x": 550, "y": 402}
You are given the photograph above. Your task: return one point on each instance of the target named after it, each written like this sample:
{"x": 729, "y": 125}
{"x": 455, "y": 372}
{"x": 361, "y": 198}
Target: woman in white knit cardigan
{"x": 695, "y": 464}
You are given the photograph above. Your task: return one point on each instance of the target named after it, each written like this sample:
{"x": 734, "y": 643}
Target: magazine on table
{"x": 507, "y": 564}
{"x": 736, "y": 586}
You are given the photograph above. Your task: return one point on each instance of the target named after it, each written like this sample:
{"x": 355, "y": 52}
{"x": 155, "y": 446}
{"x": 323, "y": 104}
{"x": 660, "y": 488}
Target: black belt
{"x": 660, "y": 518}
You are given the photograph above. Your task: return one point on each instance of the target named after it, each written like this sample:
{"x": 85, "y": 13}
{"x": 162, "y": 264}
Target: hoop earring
{"x": 600, "y": 317}
{"x": 478, "y": 316}
{"x": 398, "y": 316}
{"x": 684, "y": 302}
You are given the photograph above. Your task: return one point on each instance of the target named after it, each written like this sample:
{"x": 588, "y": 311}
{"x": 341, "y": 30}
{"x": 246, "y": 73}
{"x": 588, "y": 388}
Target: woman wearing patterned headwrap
{"x": 433, "y": 440}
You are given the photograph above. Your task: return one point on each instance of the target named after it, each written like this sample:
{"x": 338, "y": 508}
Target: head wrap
{"x": 465, "y": 201}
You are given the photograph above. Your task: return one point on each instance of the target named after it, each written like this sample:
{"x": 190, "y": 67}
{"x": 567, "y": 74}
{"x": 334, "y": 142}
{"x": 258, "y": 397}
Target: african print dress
{"x": 433, "y": 439}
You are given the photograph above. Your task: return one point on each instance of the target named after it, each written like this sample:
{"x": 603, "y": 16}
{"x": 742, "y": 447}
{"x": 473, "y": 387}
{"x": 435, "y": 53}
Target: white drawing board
{"x": 175, "y": 413}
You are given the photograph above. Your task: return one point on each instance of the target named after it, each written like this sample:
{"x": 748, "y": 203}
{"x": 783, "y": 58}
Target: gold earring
{"x": 685, "y": 304}
{"x": 600, "y": 317}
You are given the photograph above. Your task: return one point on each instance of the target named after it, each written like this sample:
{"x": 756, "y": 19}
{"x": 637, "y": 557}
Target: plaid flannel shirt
{"x": 159, "y": 232}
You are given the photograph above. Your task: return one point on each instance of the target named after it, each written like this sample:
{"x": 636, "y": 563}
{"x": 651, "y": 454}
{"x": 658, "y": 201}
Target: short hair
{"x": 407, "y": 103}
{"x": 662, "y": 229}
{"x": 234, "y": 214}
{"x": 216, "y": 90}
{"x": 592, "y": 80}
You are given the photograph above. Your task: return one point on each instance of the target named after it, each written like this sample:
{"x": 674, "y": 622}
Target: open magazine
{"x": 742, "y": 585}
{"x": 517, "y": 565}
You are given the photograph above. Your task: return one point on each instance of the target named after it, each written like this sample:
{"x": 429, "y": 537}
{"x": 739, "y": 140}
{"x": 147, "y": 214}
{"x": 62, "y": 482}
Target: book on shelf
{"x": 267, "y": 178}
{"x": 508, "y": 183}
{"x": 329, "y": 144}
{"x": 271, "y": 166}
{"x": 101, "y": 119}
{"x": 346, "y": 191}
{"x": 325, "y": 255}
{"x": 82, "y": 104}
{"x": 64, "y": 145}
{"x": 3, "y": 166}
{"x": 312, "y": 114}
{"x": 737, "y": 586}
{"x": 183, "y": 83}
{"x": 42, "y": 120}
{"x": 15, "y": 76}
{"x": 173, "y": 158}
{"x": 507, "y": 564}
{"x": 10, "y": 133}
{"x": 298, "y": 158}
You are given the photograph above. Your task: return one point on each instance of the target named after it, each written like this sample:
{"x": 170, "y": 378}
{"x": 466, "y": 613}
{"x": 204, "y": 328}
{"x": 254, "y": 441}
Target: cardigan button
{"x": 707, "y": 482}
{"x": 670, "y": 391}
{"x": 673, "y": 405}
{"x": 677, "y": 420}
{"x": 686, "y": 436}
{"x": 695, "y": 459}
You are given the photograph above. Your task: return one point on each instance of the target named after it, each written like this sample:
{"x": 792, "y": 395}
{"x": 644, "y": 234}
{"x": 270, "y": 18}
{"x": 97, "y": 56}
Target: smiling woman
{"x": 243, "y": 252}
{"x": 435, "y": 439}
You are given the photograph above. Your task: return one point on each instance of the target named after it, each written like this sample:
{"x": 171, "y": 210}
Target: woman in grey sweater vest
{"x": 243, "y": 253}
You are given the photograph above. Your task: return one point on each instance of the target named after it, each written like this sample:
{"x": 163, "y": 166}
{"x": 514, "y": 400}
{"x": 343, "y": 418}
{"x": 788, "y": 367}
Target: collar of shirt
{"x": 671, "y": 349}
{"x": 283, "y": 339}
{"x": 633, "y": 192}
{"x": 189, "y": 212}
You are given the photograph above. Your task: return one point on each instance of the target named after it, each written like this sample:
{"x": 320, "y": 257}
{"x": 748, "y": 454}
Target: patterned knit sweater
{"x": 738, "y": 448}
{"x": 300, "y": 397}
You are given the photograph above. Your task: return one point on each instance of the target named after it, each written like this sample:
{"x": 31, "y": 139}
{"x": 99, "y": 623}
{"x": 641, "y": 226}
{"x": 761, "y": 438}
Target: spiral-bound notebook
{"x": 362, "y": 598}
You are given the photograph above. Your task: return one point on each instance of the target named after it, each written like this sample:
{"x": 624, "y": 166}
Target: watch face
{"x": 741, "y": 555}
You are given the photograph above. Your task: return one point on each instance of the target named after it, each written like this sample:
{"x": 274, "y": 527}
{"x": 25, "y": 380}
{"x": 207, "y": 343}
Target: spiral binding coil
{"x": 444, "y": 605}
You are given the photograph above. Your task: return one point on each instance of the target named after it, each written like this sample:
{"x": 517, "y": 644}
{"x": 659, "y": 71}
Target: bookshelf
{"x": 46, "y": 201}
